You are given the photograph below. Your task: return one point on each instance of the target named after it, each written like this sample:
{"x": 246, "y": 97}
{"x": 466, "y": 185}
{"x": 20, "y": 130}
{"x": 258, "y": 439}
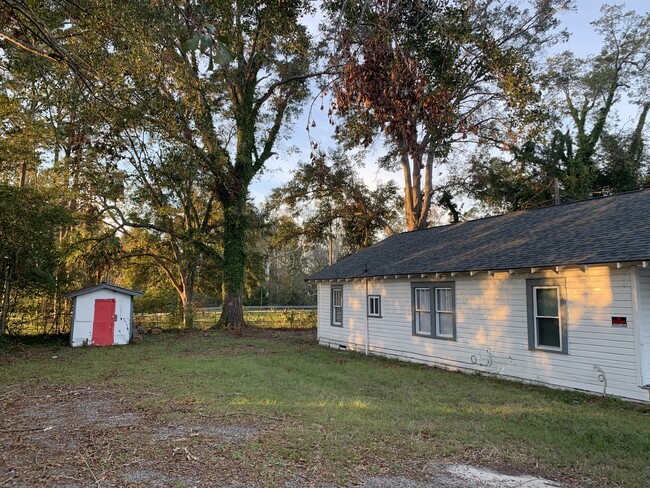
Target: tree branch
{"x": 28, "y": 47}
{"x": 269, "y": 92}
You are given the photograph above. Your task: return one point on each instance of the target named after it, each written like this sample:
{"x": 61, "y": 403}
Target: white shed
{"x": 102, "y": 315}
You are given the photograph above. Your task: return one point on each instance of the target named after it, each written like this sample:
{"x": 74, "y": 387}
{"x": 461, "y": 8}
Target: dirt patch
{"x": 156, "y": 479}
{"x": 62, "y": 437}
{"x": 77, "y": 437}
{"x": 237, "y": 433}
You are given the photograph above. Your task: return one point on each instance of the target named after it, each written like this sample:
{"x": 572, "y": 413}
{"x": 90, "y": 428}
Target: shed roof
{"x": 602, "y": 230}
{"x": 104, "y": 286}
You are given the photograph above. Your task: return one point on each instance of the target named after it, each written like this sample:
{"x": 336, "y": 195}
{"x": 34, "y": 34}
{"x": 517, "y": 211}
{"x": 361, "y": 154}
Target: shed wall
{"x": 84, "y": 309}
{"x": 492, "y": 329}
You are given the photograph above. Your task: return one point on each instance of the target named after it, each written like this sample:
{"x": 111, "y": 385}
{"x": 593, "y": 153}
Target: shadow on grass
{"x": 19, "y": 342}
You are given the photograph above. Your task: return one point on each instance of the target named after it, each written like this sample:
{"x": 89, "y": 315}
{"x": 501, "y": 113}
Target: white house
{"x": 557, "y": 296}
{"x": 102, "y": 315}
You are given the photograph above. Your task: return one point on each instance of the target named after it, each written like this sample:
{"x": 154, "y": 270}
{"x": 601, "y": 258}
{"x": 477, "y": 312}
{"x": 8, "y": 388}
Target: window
{"x": 547, "y": 316}
{"x": 422, "y": 311}
{"x": 547, "y": 328}
{"x": 444, "y": 313}
{"x": 337, "y": 306}
{"x": 374, "y": 306}
{"x": 433, "y": 310}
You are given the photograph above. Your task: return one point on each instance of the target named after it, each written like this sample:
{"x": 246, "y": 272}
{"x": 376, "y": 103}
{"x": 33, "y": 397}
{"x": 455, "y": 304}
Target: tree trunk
{"x": 5, "y": 301}
{"x": 234, "y": 259}
{"x": 330, "y": 249}
{"x": 23, "y": 175}
{"x": 56, "y": 311}
{"x": 636, "y": 144}
{"x": 417, "y": 200}
{"x": 187, "y": 312}
{"x": 188, "y": 315}
{"x": 187, "y": 301}
{"x": 232, "y": 315}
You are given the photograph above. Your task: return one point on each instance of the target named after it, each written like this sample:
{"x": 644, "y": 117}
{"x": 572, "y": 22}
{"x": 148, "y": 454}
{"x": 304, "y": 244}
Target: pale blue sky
{"x": 583, "y": 42}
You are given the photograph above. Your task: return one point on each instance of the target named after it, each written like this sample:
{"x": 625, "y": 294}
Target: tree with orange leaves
{"x": 424, "y": 74}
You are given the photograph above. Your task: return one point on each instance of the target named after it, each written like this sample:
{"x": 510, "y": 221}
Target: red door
{"x": 104, "y": 322}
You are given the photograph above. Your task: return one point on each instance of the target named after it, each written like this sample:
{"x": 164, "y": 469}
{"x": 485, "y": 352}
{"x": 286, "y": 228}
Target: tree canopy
{"x": 425, "y": 75}
{"x": 143, "y": 126}
{"x": 28, "y": 224}
{"x": 585, "y": 150}
{"x": 326, "y": 197}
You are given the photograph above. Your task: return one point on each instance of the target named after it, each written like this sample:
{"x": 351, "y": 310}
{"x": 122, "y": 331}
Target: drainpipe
{"x": 367, "y": 324}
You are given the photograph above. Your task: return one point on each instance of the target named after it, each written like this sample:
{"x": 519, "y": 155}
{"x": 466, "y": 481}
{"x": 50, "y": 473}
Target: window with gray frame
{"x": 374, "y": 306}
{"x": 337, "y": 306}
{"x": 547, "y": 314}
{"x": 434, "y": 310}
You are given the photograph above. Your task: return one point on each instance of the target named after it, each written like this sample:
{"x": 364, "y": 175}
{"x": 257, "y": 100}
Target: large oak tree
{"x": 220, "y": 79}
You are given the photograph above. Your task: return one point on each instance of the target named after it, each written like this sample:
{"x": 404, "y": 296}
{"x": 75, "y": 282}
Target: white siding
{"x": 84, "y": 310}
{"x": 644, "y": 325}
{"x": 492, "y": 329}
{"x": 352, "y": 334}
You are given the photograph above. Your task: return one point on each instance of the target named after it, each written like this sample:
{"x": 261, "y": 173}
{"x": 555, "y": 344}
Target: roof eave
{"x": 643, "y": 263}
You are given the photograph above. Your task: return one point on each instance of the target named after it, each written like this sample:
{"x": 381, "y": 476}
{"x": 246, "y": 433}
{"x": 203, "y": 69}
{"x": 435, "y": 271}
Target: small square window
{"x": 374, "y": 306}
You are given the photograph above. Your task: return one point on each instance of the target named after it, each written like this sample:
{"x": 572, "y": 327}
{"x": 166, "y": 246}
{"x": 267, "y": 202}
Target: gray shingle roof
{"x": 603, "y": 230}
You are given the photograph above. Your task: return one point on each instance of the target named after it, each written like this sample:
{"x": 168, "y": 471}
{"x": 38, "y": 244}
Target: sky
{"x": 296, "y": 147}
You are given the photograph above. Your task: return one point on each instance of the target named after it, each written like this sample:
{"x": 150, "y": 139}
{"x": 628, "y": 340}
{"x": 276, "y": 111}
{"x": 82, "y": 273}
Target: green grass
{"x": 339, "y": 414}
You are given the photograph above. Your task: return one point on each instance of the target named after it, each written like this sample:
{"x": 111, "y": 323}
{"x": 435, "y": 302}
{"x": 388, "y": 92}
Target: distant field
{"x": 272, "y": 408}
{"x": 267, "y": 318}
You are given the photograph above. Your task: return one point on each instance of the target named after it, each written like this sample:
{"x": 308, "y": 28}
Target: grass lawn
{"x": 331, "y": 416}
